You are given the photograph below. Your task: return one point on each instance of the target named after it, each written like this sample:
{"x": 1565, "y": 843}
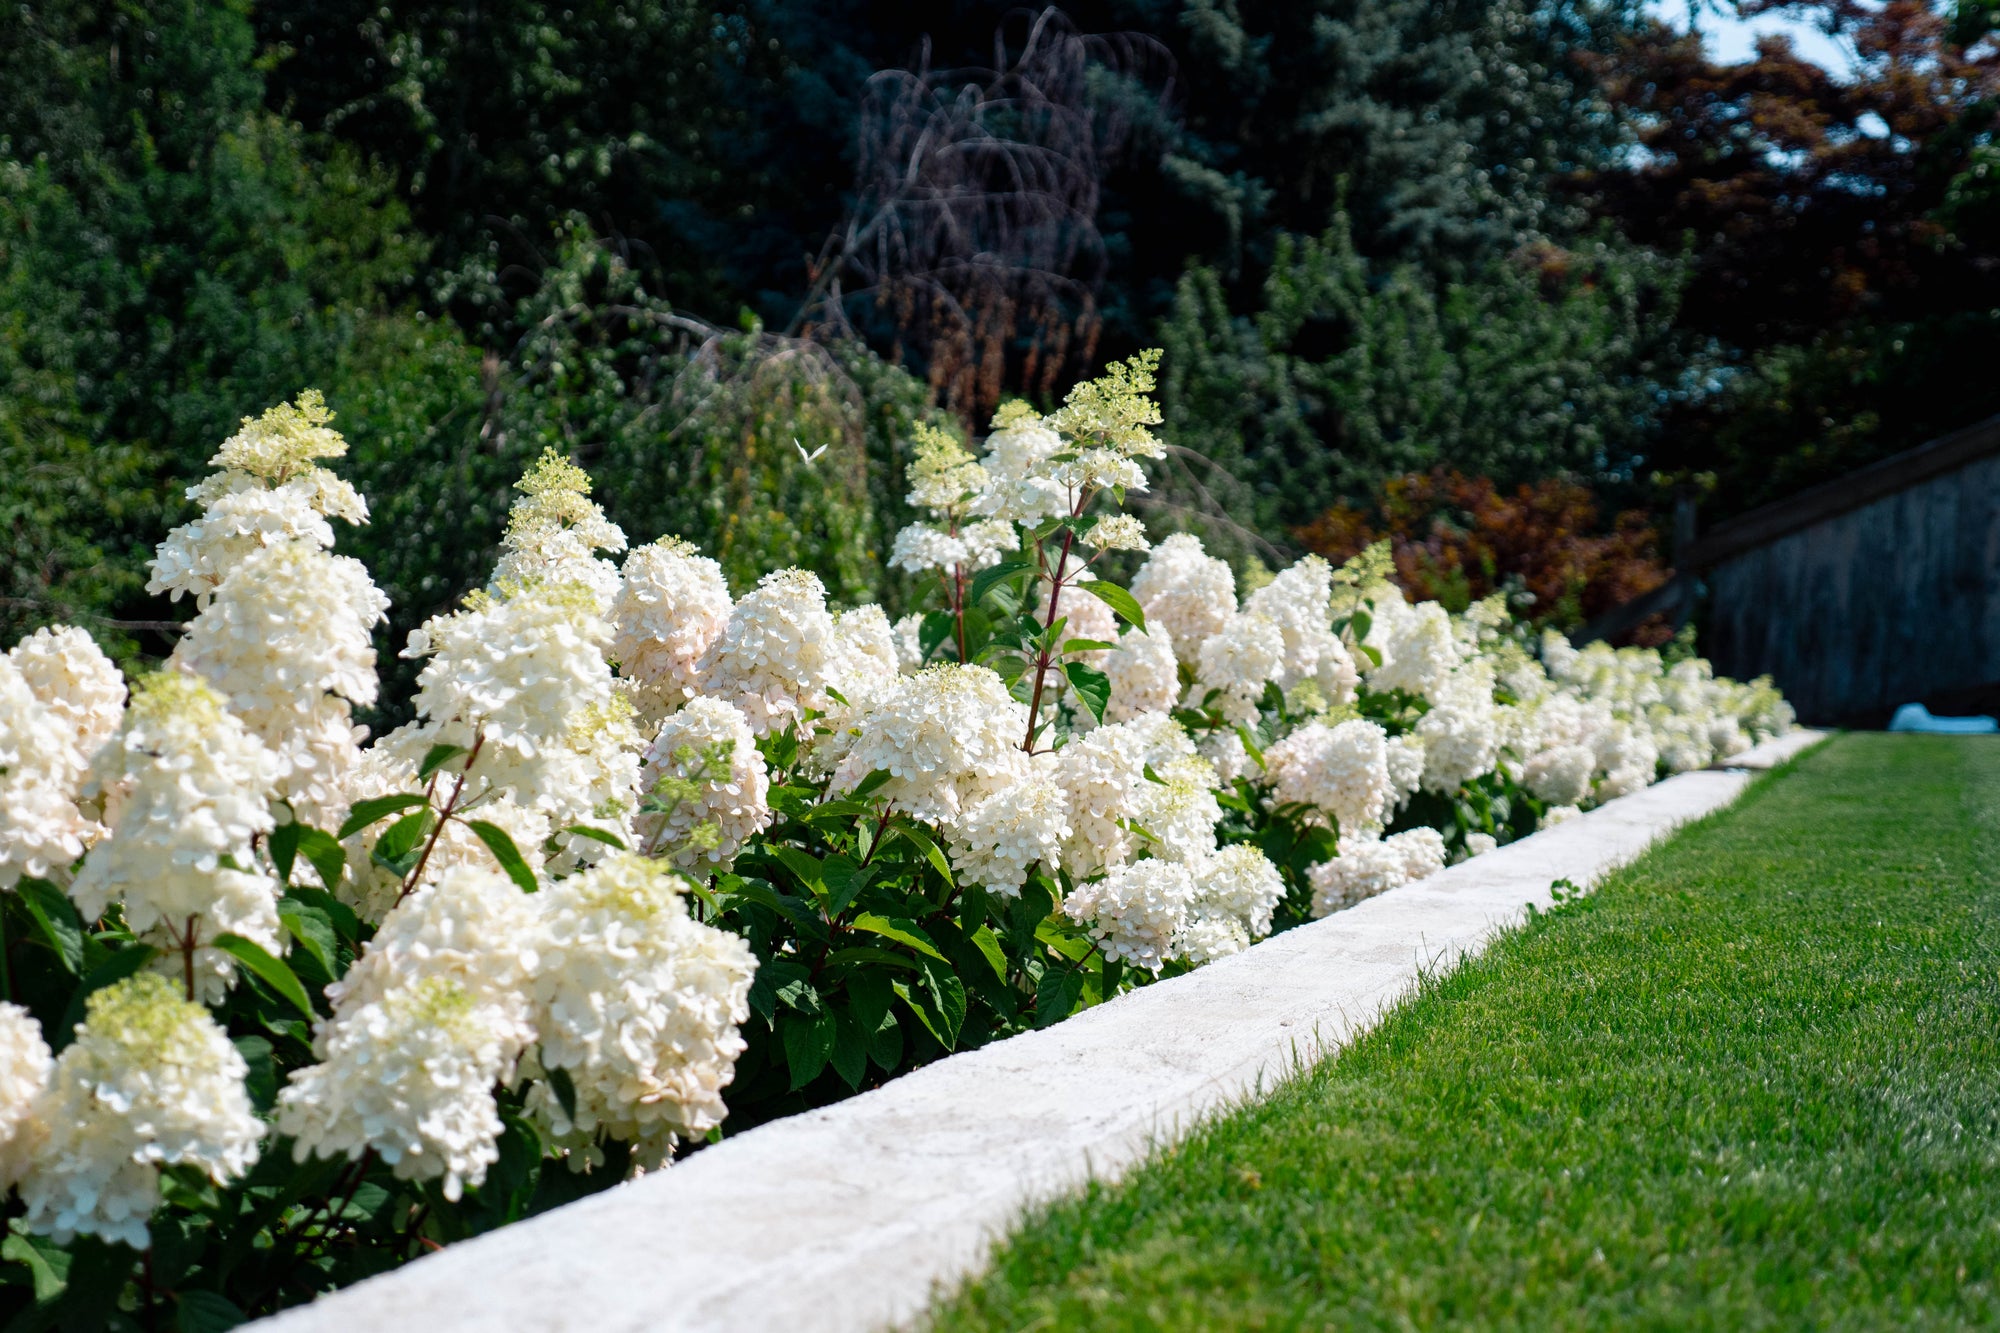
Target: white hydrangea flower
{"x": 474, "y": 925}
{"x": 411, "y": 1076}
{"x": 1422, "y": 850}
{"x": 196, "y": 557}
{"x": 1157, "y": 739}
{"x": 1179, "y": 812}
{"x": 191, "y": 788}
{"x": 523, "y": 677}
{"x": 704, "y": 766}
{"x": 1560, "y": 775}
{"x": 1240, "y": 883}
{"x": 672, "y": 605}
{"x": 1478, "y": 844}
{"x": 867, "y": 658}
{"x": 1361, "y": 868}
{"x": 1239, "y": 660}
{"x": 1232, "y": 759}
{"x": 1419, "y": 647}
{"x": 1299, "y": 601}
{"x": 1012, "y": 829}
{"x": 270, "y": 492}
{"x": 1018, "y": 486}
{"x": 1117, "y": 532}
{"x": 777, "y": 654}
{"x": 1145, "y": 676}
{"x": 1136, "y": 910}
{"x": 1341, "y": 771}
{"x": 41, "y": 829}
{"x": 24, "y": 1075}
{"x": 944, "y": 477}
{"x": 920, "y": 548}
{"x": 426, "y": 1022}
{"x": 1559, "y": 814}
{"x": 948, "y": 736}
{"x": 1204, "y": 938}
{"x": 640, "y": 1004}
{"x": 151, "y": 1081}
{"x": 1460, "y": 732}
{"x": 985, "y": 542}
{"x": 75, "y": 681}
{"x": 1185, "y": 591}
{"x": 554, "y": 531}
{"x": 286, "y": 639}
{"x": 1100, "y": 774}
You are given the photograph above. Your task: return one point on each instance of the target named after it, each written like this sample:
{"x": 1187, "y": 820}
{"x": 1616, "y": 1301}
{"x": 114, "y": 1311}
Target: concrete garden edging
{"x": 849, "y": 1218}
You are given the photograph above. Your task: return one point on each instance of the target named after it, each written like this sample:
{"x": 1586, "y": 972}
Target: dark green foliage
{"x": 170, "y": 251}
{"x": 1347, "y": 372}
{"x": 1750, "y": 1082}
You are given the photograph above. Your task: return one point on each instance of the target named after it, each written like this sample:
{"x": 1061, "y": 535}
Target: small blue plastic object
{"x": 1916, "y": 717}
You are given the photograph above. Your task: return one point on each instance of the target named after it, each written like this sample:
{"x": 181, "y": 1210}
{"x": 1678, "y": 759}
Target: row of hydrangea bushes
{"x": 658, "y": 860}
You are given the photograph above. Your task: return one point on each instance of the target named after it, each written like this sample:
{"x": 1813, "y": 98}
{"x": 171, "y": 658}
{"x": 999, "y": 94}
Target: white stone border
{"x": 849, "y": 1218}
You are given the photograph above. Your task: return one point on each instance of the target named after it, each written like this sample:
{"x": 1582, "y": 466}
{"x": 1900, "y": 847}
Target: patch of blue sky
{"x": 1732, "y": 40}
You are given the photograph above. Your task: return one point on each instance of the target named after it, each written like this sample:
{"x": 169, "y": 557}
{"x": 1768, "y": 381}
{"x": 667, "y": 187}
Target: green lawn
{"x": 1753, "y": 1082}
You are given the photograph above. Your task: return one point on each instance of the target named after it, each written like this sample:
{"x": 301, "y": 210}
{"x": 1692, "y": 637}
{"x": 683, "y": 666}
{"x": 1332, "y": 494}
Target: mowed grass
{"x": 1754, "y": 1081}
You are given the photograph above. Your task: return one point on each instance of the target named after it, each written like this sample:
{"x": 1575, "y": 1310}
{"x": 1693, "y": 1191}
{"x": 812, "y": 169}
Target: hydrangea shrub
{"x": 286, "y": 1004}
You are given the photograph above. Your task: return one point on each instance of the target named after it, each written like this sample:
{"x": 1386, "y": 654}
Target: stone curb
{"x": 851, "y": 1217}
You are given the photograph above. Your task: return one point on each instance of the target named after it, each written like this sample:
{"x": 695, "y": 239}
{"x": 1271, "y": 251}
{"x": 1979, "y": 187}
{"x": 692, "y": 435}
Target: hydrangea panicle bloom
{"x": 672, "y": 605}
{"x": 188, "y": 789}
{"x": 151, "y": 1081}
{"x": 640, "y": 1004}
{"x": 708, "y": 779}
{"x": 1186, "y": 592}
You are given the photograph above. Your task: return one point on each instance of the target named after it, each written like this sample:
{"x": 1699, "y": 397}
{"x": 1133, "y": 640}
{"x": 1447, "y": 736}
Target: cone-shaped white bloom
{"x": 522, "y": 676}
{"x": 777, "y": 654}
{"x": 1406, "y": 768}
{"x": 1018, "y": 486}
{"x": 1179, "y": 811}
{"x": 705, "y": 768}
{"x": 1145, "y": 676}
{"x": 948, "y": 737}
{"x": 1560, "y": 775}
{"x": 270, "y": 491}
{"x": 1136, "y": 910}
{"x": 150, "y": 1081}
{"x": 1299, "y": 601}
{"x": 76, "y": 682}
{"x": 425, "y": 1023}
{"x": 671, "y": 607}
{"x": 1341, "y": 771}
{"x": 1367, "y": 866}
{"x": 554, "y": 531}
{"x": 1235, "y": 664}
{"x": 1239, "y": 883}
{"x": 1100, "y": 774}
{"x": 640, "y": 1004}
{"x": 1012, "y": 829}
{"x": 188, "y": 787}
{"x": 1419, "y": 645}
{"x": 1460, "y": 732}
{"x": 286, "y": 639}
{"x": 1186, "y": 591}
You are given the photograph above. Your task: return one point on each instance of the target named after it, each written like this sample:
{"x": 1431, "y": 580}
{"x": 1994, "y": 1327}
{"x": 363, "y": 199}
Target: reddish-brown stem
{"x": 187, "y": 957}
{"x": 1042, "y": 655}
{"x": 444, "y": 816}
{"x": 958, "y": 606}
